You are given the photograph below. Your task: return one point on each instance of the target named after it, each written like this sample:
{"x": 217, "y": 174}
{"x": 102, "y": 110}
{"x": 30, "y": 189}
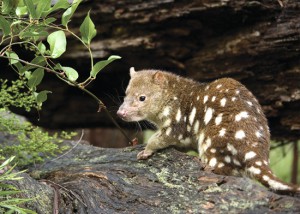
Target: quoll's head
{"x": 143, "y": 94}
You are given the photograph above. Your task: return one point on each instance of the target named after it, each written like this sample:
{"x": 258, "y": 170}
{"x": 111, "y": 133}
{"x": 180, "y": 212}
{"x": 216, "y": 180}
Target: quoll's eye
{"x": 142, "y": 98}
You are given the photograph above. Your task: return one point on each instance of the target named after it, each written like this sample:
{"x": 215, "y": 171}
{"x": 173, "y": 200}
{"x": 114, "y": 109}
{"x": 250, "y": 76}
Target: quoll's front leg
{"x": 156, "y": 142}
{"x": 144, "y": 154}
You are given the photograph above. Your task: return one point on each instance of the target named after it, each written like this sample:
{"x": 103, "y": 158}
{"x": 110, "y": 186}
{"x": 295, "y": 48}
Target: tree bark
{"x": 94, "y": 180}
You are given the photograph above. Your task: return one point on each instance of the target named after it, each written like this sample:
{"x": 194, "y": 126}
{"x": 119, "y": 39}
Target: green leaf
{"x": 31, "y": 8}
{"x": 42, "y": 6}
{"x": 8, "y": 6}
{"x": 34, "y": 34}
{"x": 49, "y": 20}
{"x": 69, "y": 12}
{"x": 61, "y": 4}
{"x": 101, "y": 64}
{"x": 5, "y": 26}
{"x": 71, "y": 73}
{"x": 57, "y": 41}
{"x": 21, "y": 11}
{"x": 27, "y": 74}
{"x": 13, "y": 57}
{"x": 41, "y": 96}
{"x": 38, "y": 60}
{"x": 11, "y": 192}
{"x": 41, "y": 47}
{"x": 87, "y": 29}
{"x": 5, "y": 163}
{"x": 35, "y": 78}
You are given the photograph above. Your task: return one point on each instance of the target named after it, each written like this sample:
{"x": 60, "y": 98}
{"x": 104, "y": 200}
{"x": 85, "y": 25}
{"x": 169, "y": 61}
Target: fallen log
{"x": 95, "y": 180}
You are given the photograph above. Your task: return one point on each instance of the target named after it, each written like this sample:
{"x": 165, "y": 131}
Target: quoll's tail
{"x": 265, "y": 176}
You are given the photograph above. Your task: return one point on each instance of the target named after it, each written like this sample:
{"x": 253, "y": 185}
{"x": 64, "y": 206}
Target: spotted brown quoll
{"x": 221, "y": 119}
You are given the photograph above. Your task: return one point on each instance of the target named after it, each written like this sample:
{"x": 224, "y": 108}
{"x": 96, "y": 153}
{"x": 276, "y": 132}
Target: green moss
{"x": 163, "y": 177}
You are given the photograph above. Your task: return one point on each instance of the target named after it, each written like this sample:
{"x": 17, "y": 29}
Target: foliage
{"x": 10, "y": 95}
{"x": 9, "y": 203}
{"x": 27, "y": 23}
{"x": 28, "y": 143}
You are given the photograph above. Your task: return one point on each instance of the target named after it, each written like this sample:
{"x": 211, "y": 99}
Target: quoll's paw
{"x": 144, "y": 155}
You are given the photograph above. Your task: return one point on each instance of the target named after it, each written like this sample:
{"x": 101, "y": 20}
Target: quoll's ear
{"x": 159, "y": 78}
{"x": 132, "y": 72}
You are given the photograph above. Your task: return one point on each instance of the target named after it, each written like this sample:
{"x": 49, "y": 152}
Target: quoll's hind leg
{"x": 225, "y": 169}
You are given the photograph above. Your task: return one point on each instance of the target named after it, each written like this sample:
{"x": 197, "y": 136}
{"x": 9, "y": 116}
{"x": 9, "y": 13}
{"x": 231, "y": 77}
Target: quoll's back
{"x": 222, "y": 119}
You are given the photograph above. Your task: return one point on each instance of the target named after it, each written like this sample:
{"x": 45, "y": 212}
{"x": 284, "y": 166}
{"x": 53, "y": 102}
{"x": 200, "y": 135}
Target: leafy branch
{"x": 29, "y": 22}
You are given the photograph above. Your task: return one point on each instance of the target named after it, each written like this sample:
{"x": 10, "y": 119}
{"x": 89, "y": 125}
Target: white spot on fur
{"x": 258, "y": 134}
{"x": 236, "y": 162}
{"x": 220, "y": 165}
{"x": 213, "y": 98}
{"x": 258, "y": 110}
{"x": 175, "y": 98}
{"x": 223, "y": 102}
{"x": 213, "y": 150}
{"x": 233, "y": 99}
{"x": 205, "y": 99}
{"x": 254, "y": 170}
{"x": 208, "y": 143}
{"x": 198, "y": 97}
{"x": 226, "y": 90}
{"x": 180, "y": 137}
{"x": 276, "y": 185}
{"x": 222, "y": 132}
{"x": 240, "y": 134}
{"x": 250, "y": 103}
{"x": 206, "y": 88}
{"x": 241, "y": 115}
{"x": 167, "y": 123}
{"x": 266, "y": 178}
{"x": 184, "y": 119}
{"x": 201, "y": 138}
{"x": 196, "y": 127}
{"x": 192, "y": 115}
{"x": 178, "y": 115}
{"x": 218, "y": 119}
{"x": 237, "y": 91}
{"x": 227, "y": 159}
{"x": 168, "y": 131}
{"x": 186, "y": 141}
{"x": 208, "y": 115}
{"x": 188, "y": 128}
{"x": 250, "y": 155}
{"x": 166, "y": 111}
{"x": 212, "y": 162}
{"x": 219, "y": 86}
{"x": 232, "y": 149}
{"x": 266, "y": 162}
{"x": 258, "y": 163}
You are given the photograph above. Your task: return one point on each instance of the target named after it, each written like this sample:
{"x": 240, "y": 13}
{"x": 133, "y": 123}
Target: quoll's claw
{"x": 144, "y": 155}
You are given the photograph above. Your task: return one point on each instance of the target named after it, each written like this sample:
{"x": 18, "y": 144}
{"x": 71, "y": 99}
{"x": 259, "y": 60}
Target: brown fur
{"x": 222, "y": 119}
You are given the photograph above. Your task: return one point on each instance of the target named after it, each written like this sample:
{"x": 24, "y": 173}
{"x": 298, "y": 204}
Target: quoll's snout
{"x": 121, "y": 112}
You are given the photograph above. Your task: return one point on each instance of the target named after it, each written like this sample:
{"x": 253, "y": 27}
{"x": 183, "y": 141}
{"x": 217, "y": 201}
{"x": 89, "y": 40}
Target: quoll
{"x": 221, "y": 119}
